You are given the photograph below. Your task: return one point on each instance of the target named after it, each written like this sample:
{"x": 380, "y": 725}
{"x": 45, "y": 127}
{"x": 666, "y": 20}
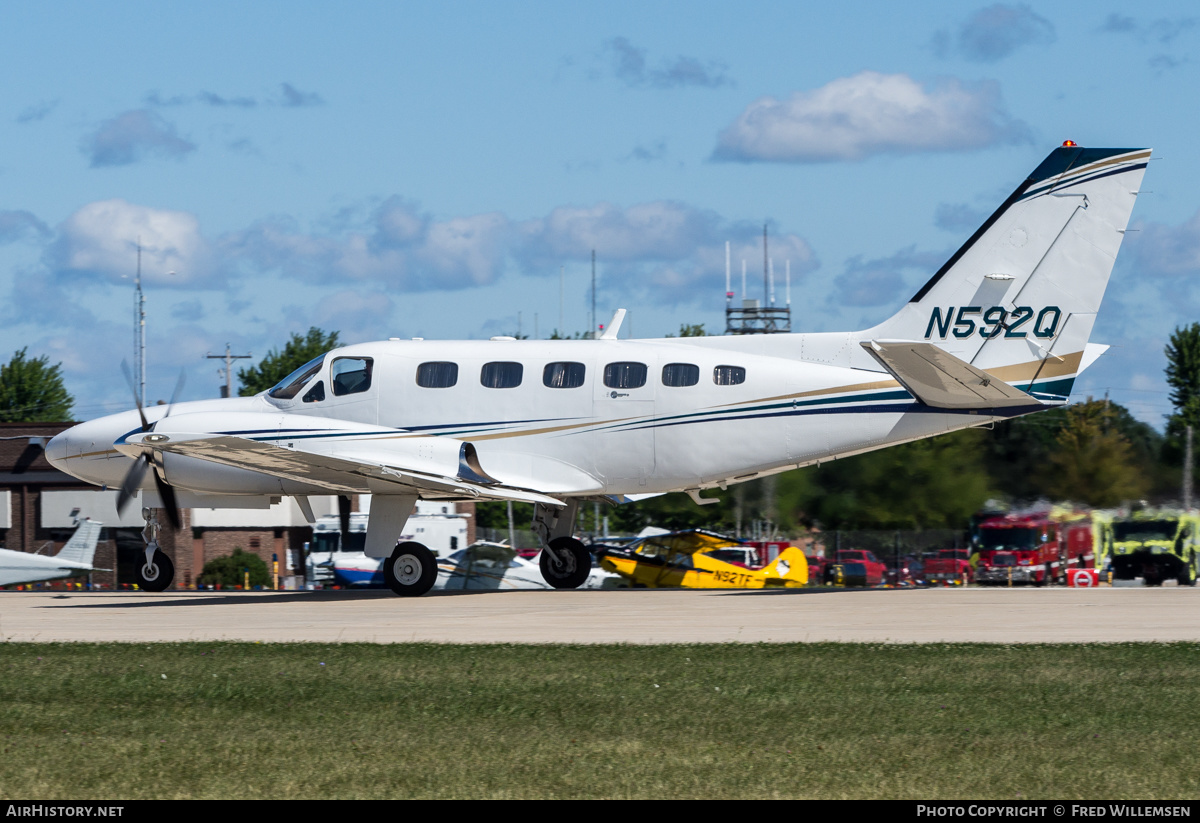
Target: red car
{"x": 874, "y": 571}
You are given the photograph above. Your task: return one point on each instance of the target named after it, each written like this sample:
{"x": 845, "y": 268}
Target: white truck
{"x": 435, "y": 524}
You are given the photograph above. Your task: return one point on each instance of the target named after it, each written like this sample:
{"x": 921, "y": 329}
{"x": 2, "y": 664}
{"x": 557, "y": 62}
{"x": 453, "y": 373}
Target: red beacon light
{"x": 1069, "y": 144}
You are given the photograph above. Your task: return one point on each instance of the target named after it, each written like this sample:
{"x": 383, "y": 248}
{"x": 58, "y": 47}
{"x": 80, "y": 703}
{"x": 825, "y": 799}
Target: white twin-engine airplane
{"x": 1000, "y": 330}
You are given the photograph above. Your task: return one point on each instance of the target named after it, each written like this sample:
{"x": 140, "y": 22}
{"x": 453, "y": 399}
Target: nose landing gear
{"x": 157, "y": 572}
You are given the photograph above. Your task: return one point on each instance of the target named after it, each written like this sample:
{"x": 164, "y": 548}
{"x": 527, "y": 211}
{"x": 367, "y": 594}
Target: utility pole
{"x": 766, "y": 277}
{"x": 139, "y": 328}
{"x": 228, "y": 357}
{"x": 1187, "y": 471}
{"x": 592, "y": 333}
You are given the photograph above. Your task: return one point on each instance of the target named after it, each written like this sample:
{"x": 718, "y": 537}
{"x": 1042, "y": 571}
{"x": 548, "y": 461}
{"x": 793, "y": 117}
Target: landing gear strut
{"x": 565, "y": 561}
{"x": 157, "y": 572}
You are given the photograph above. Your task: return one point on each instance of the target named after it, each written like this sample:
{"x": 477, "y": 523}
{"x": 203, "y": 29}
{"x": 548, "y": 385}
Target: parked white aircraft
{"x": 73, "y": 559}
{"x": 1000, "y": 330}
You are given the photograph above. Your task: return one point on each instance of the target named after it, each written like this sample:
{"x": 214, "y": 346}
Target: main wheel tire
{"x": 156, "y": 575}
{"x": 566, "y": 563}
{"x": 411, "y": 570}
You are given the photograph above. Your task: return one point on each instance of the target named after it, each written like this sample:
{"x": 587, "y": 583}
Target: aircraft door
{"x": 353, "y": 388}
{"x": 624, "y": 413}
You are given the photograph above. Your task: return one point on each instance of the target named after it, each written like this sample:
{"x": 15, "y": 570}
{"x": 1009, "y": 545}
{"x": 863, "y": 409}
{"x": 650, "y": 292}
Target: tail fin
{"x": 791, "y": 564}
{"x": 81, "y": 548}
{"x": 1019, "y": 299}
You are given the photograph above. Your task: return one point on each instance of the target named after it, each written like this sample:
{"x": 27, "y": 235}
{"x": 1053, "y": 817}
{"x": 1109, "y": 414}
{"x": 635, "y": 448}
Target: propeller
{"x": 137, "y": 472}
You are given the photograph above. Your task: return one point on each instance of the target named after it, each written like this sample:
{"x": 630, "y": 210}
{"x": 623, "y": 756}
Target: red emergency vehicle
{"x": 949, "y": 566}
{"x": 1037, "y": 547}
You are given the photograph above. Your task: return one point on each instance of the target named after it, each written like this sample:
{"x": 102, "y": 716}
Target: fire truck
{"x": 1034, "y": 548}
{"x": 1155, "y": 545}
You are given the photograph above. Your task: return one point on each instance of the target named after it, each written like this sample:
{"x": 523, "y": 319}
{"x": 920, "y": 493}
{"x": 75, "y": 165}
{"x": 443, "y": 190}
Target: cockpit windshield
{"x": 290, "y": 386}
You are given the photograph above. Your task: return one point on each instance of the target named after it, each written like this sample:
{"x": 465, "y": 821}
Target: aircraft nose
{"x": 58, "y": 448}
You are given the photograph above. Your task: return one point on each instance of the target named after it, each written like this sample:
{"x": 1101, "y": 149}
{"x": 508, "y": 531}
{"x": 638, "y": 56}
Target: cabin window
{"x": 729, "y": 375}
{"x": 351, "y": 375}
{"x": 501, "y": 375}
{"x": 680, "y": 374}
{"x": 625, "y": 375}
{"x": 437, "y": 375}
{"x": 563, "y": 375}
{"x": 316, "y": 393}
{"x": 290, "y": 386}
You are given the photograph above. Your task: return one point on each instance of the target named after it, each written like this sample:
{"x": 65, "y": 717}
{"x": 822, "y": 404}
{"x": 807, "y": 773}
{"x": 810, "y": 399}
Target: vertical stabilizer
{"x": 1020, "y": 297}
{"x": 81, "y": 548}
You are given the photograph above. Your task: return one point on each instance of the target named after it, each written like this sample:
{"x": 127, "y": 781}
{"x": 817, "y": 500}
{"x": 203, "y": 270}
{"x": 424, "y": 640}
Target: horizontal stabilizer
{"x": 941, "y": 380}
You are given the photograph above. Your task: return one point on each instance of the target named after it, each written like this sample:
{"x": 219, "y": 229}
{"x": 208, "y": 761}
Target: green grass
{"x": 237, "y": 720}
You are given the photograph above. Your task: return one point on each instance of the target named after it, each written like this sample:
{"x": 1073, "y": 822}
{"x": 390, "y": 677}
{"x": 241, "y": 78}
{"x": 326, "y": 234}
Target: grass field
{"x": 236, "y": 720}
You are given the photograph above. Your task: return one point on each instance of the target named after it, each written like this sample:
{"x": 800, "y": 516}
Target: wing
{"x": 343, "y": 459}
{"x": 941, "y": 380}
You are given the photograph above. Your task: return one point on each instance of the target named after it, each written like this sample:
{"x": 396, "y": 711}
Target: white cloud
{"x": 867, "y": 114}
{"x": 101, "y": 239}
{"x": 399, "y": 246}
{"x": 661, "y": 252}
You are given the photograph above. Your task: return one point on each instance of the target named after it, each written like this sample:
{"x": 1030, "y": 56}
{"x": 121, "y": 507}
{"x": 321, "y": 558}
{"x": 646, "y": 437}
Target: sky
{"x": 444, "y": 170}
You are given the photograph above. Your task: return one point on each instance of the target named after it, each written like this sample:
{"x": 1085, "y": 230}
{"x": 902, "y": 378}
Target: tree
{"x": 230, "y": 571}
{"x": 32, "y": 390}
{"x": 279, "y": 364}
{"x": 1183, "y": 372}
{"x": 1094, "y": 463}
{"x": 934, "y": 483}
{"x": 691, "y": 330}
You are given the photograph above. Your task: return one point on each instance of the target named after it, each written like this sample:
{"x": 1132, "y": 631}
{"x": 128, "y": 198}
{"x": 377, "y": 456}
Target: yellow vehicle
{"x": 698, "y": 559}
{"x": 1156, "y": 545}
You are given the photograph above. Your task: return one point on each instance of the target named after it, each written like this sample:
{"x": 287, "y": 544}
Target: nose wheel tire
{"x": 566, "y": 563}
{"x": 411, "y": 570}
{"x": 156, "y": 575}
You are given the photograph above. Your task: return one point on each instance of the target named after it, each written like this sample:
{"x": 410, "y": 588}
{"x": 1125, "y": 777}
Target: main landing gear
{"x": 411, "y": 570}
{"x": 565, "y": 561}
{"x": 157, "y": 572}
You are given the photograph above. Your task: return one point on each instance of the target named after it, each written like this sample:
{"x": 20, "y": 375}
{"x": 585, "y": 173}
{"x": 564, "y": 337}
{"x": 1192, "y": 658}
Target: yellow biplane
{"x": 699, "y": 559}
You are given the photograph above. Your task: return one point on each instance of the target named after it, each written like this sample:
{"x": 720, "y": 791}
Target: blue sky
{"x": 427, "y": 169}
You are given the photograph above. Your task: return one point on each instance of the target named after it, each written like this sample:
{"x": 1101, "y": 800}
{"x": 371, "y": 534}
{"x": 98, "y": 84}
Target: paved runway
{"x": 622, "y": 616}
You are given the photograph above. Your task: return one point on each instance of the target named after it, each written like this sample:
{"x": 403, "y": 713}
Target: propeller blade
{"x": 136, "y": 397}
{"x": 344, "y": 519}
{"x": 167, "y": 493}
{"x": 132, "y": 482}
{"x": 178, "y": 391}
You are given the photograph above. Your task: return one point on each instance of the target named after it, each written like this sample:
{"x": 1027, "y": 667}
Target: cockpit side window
{"x": 290, "y": 386}
{"x": 316, "y": 393}
{"x": 351, "y": 375}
